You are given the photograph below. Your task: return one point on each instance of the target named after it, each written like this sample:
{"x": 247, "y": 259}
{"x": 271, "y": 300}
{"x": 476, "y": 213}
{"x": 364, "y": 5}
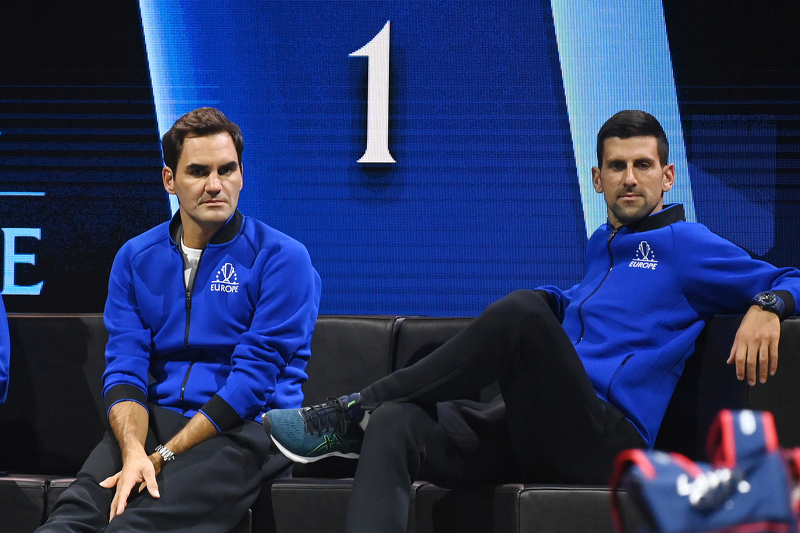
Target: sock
{"x": 352, "y": 406}
{"x": 364, "y": 420}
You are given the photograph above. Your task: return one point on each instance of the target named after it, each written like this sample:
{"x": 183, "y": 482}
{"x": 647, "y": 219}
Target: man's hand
{"x": 755, "y": 348}
{"x": 141, "y": 471}
{"x": 129, "y": 423}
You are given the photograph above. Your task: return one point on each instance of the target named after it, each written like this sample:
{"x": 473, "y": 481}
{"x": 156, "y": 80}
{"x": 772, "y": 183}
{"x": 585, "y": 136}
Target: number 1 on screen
{"x": 377, "y": 53}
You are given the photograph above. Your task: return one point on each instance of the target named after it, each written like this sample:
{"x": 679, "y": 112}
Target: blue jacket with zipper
{"x": 649, "y": 290}
{"x": 233, "y": 345}
{"x": 5, "y": 353}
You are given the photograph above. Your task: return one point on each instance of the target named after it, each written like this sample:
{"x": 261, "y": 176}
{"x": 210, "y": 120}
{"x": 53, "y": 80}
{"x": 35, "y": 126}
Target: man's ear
{"x": 598, "y": 185}
{"x": 668, "y": 179}
{"x": 169, "y": 179}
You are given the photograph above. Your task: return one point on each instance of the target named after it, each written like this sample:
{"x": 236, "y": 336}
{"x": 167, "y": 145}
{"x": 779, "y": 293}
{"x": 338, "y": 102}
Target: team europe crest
{"x": 226, "y": 280}
{"x": 644, "y": 257}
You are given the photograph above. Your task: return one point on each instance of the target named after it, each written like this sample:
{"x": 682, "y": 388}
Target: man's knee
{"x": 84, "y": 502}
{"x": 520, "y": 303}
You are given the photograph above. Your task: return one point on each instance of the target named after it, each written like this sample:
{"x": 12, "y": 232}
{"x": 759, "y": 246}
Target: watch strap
{"x": 166, "y": 453}
{"x": 769, "y": 301}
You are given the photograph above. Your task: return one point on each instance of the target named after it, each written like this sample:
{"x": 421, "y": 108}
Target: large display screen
{"x": 79, "y": 151}
{"x": 432, "y": 156}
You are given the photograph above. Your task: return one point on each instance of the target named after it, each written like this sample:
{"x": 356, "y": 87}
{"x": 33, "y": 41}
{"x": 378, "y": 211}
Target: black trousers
{"x": 549, "y": 425}
{"x": 206, "y": 489}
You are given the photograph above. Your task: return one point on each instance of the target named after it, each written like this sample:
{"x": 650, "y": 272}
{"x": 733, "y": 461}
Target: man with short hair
{"x": 210, "y": 319}
{"x": 584, "y": 373}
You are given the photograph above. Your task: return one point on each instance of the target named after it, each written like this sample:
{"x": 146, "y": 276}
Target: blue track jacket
{"x": 648, "y": 292}
{"x": 5, "y": 353}
{"x": 234, "y": 345}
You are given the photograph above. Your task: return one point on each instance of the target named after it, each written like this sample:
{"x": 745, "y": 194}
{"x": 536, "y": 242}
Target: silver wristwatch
{"x": 165, "y": 452}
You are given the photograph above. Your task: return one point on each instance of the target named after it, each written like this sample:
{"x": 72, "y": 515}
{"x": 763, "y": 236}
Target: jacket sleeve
{"x": 5, "y": 353}
{"x": 721, "y": 278}
{"x": 128, "y": 347}
{"x": 278, "y": 339}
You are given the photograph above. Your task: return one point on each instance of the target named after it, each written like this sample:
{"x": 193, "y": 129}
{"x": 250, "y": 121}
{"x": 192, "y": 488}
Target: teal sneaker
{"x": 313, "y": 433}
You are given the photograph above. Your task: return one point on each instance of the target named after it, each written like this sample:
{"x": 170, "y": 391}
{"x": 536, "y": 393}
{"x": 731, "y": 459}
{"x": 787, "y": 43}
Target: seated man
{"x": 5, "y": 354}
{"x": 210, "y": 319}
{"x": 584, "y": 373}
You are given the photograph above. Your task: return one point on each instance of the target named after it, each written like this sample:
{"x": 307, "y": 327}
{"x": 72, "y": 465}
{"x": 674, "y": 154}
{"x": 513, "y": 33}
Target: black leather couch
{"x": 54, "y": 416}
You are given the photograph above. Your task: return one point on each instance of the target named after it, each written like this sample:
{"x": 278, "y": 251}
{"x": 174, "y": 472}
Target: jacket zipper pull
{"x": 188, "y": 314}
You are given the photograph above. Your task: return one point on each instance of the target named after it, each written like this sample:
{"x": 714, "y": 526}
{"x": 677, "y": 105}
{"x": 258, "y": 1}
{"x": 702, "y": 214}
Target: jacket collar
{"x": 225, "y": 234}
{"x": 669, "y": 215}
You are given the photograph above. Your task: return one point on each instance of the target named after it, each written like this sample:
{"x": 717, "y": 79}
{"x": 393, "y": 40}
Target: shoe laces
{"x": 330, "y": 415}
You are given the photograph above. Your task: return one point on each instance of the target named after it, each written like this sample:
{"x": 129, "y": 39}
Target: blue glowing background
{"x": 492, "y": 115}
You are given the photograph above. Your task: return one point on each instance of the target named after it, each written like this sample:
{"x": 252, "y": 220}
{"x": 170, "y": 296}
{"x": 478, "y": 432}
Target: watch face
{"x": 767, "y": 298}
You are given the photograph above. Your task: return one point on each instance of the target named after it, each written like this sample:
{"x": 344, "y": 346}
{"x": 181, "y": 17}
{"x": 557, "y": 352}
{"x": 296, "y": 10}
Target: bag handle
{"x": 640, "y": 458}
{"x": 792, "y": 459}
{"x": 735, "y": 436}
{"x": 623, "y": 461}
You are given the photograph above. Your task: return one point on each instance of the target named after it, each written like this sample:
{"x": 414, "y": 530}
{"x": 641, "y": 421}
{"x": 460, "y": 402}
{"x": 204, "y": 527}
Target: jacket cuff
{"x": 788, "y": 301}
{"x": 124, "y": 393}
{"x": 220, "y": 413}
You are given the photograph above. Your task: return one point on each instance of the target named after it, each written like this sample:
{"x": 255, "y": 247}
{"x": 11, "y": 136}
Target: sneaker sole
{"x": 305, "y": 460}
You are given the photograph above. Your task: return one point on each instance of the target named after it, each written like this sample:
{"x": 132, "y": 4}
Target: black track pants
{"x": 549, "y": 427}
{"x": 206, "y": 489}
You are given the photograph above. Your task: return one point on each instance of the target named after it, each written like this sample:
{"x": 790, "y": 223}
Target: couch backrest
{"x": 781, "y": 393}
{"x": 348, "y": 353}
{"x": 54, "y": 414}
{"x": 419, "y": 336}
{"x": 709, "y": 384}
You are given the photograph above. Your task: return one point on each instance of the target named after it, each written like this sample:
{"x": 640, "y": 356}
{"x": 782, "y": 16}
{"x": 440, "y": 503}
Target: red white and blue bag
{"x": 748, "y": 487}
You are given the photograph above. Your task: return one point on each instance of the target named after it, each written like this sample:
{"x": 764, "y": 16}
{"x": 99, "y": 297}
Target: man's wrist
{"x": 165, "y": 453}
